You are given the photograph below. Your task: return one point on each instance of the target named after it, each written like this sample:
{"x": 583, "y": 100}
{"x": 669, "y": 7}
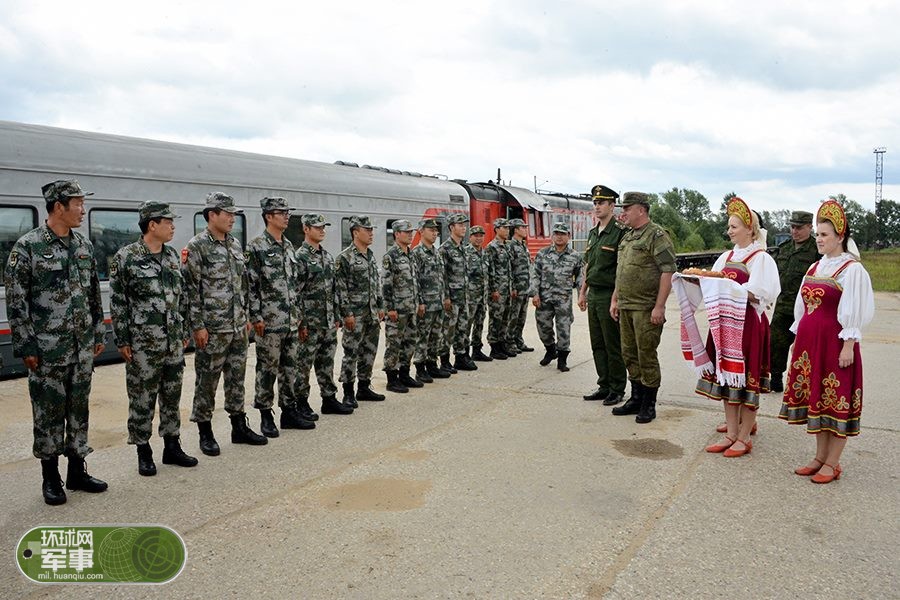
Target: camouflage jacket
{"x": 146, "y": 294}
{"x": 520, "y": 266}
{"x": 316, "y": 288}
{"x": 456, "y": 271}
{"x": 499, "y": 275}
{"x": 555, "y": 273}
{"x": 477, "y": 266}
{"x": 430, "y": 271}
{"x": 215, "y": 279}
{"x": 644, "y": 254}
{"x": 53, "y": 298}
{"x": 271, "y": 274}
{"x": 793, "y": 262}
{"x": 400, "y": 287}
{"x": 358, "y": 283}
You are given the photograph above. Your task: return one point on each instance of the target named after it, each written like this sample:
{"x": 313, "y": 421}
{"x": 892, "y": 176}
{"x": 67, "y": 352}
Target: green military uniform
{"x": 432, "y": 292}
{"x": 477, "y": 294}
{"x": 400, "y": 290}
{"x": 520, "y": 272}
{"x": 555, "y": 273}
{"x": 456, "y": 320}
{"x": 793, "y": 261}
{"x": 499, "y": 280}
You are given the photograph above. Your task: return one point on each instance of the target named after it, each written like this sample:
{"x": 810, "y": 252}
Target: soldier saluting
{"x": 56, "y": 317}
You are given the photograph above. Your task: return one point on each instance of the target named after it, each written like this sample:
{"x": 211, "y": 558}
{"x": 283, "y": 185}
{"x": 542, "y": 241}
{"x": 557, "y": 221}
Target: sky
{"x": 779, "y": 102}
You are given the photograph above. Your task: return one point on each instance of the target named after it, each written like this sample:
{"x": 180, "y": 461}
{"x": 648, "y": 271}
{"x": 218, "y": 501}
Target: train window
{"x": 15, "y": 221}
{"x": 239, "y": 231}
{"x": 532, "y": 229}
{"x": 346, "y": 236}
{"x": 545, "y": 217}
{"x": 110, "y": 230}
{"x": 295, "y": 230}
{"x": 389, "y": 233}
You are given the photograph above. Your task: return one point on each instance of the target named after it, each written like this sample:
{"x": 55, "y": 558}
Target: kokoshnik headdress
{"x": 739, "y": 208}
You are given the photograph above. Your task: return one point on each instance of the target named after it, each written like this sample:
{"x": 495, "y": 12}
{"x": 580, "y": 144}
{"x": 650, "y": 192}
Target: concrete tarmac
{"x": 501, "y": 483}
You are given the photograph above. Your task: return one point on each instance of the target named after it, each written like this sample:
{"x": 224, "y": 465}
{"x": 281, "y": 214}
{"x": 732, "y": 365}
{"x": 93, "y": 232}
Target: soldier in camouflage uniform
{"x": 499, "y": 285}
{"x": 320, "y": 312}
{"x": 215, "y": 279}
{"x": 793, "y": 259}
{"x": 359, "y": 297}
{"x": 456, "y": 320}
{"x": 56, "y": 321}
{"x": 275, "y": 316}
{"x": 477, "y": 291}
{"x": 434, "y": 296}
{"x": 520, "y": 267}
{"x": 556, "y": 269}
{"x": 643, "y": 282}
{"x": 148, "y": 312}
{"x": 400, "y": 291}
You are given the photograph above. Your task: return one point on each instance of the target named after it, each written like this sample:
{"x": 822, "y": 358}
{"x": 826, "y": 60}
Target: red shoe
{"x": 819, "y": 478}
{"x": 721, "y": 446}
{"x": 732, "y": 453}
{"x": 807, "y": 471}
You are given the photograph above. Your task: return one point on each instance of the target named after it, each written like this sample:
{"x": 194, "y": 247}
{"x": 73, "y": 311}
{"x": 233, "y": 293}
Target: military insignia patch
{"x": 13, "y": 258}
{"x": 184, "y": 255}
{"x": 113, "y": 266}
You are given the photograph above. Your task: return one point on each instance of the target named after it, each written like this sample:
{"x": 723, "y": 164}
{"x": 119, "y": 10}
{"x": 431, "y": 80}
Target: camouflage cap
{"x": 516, "y": 223}
{"x": 801, "y": 217}
{"x": 222, "y": 201}
{"x": 63, "y": 188}
{"x": 153, "y": 209}
{"x": 361, "y": 221}
{"x": 314, "y": 220}
{"x": 401, "y": 225}
{"x": 477, "y": 230}
{"x": 560, "y": 227}
{"x": 601, "y": 192}
{"x": 500, "y": 222}
{"x": 631, "y": 198}
{"x": 269, "y": 204}
{"x": 429, "y": 223}
{"x": 457, "y": 218}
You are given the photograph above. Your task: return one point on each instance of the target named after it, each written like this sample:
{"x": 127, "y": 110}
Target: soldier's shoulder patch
{"x": 247, "y": 255}
{"x": 184, "y": 255}
{"x": 13, "y": 258}
{"x": 113, "y": 266}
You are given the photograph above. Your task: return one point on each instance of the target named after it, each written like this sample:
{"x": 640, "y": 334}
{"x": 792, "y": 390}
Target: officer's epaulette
{"x": 619, "y": 225}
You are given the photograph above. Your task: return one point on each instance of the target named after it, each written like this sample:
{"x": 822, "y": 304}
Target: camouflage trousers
{"x": 475, "y": 326}
{"x": 428, "y": 344}
{"x": 640, "y": 339}
{"x": 317, "y": 351}
{"x": 59, "y": 405}
{"x": 276, "y": 358}
{"x": 151, "y": 378}
{"x": 498, "y": 319}
{"x": 360, "y": 346}
{"x": 518, "y": 312}
{"x": 225, "y": 352}
{"x": 400, "y": 341}
{"x": 782, "y": 338}
{"x": 455, "y": 329}
{"x": 557, "y": 313}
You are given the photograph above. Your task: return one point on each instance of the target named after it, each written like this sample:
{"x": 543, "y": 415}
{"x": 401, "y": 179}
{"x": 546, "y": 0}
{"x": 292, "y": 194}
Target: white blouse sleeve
{"x": 857, "y": 305}
{"x": 764, "y": 282}
{"x": 720, "y": 262}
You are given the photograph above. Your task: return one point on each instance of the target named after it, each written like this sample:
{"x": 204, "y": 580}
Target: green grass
{"x": 884, "y": 269}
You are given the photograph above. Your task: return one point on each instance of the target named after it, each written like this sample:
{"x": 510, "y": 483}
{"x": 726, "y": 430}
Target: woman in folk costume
{"x": 825, "y": 377}
{"x": 739, "y": 349}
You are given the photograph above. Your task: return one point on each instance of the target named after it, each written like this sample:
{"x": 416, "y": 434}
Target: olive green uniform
{"x": 793, "y": 261}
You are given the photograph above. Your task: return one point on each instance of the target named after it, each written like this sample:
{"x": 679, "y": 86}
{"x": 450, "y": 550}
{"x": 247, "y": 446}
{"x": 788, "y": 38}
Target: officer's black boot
{"x": 365, "y": 392}
{"x": 208, "y": 444}
{"x": 393, "y": 384}
{"x": 349, "y": 395}
{"x": 410, "y": 382}
{"x": 446, "y": 365}
{"x": 561, "y": 357}
{"x": 52, "y": 487}
{"x": 241, "y": 432}
{"x": 632, "y": 406}
{"x": 648, "y": 406}
{"x": 292, "y": 418}
{"x": 464, "y": 363}
{"x": 497, "y": 352}
{"x": 77, "y": 477}
{"x": 598, "y": 394}
{"x": 777, "y": 385}
{"x": 549, "y": 355}
{"x": 174, "y": 455}
{"x": 613, "y": 398}
{"x": 330, "y": 406}
{"x": 267, "y": 423}
{"x": 306, "y": 410}
{"x": 146, "y": 466}
{"x": 422, "y": 373}
{"x": 480, "y": 356}
{"x": 434, "y": 371}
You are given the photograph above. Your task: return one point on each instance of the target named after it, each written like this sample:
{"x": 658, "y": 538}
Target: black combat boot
{"x": 598, "y": 394}
{"x": 364, "y": 392}
{"x": 777, "y": 385}
{"x": 52, "y": 487}
{"x": 349, "y": 395}
{"x": 292, "y": 418}
{"x": 306, "y": 410}
{"x": 561, "y": 358}
{"x": 549, "y": 355}
{"x": 405, "y": 379}
{"x": 393, "y": 384}
{"x": 146, "y": 466}
{"x": 241, "y": 432}
{"x": 522, "y": 347}
{"x": 446, "y": 365}
{"x": 174, "y": 455}
{"x": 464, "y": 363}
{"x": 497, "y": 352}
{"x": 267, "y": 423}
{"x": 422, "y": 373}
{"x": 613, "y": 399}
{"x": 330, "y": 406}
{"x": 434, "y": 371}
{"x": 510, "y": 349}
{"x": 648, "y": 406}
{"x": 77, "y": 477}
{"x": 208, "y": 444}
{"x": 480, "y": 356}
{"x": 632, "y": 406}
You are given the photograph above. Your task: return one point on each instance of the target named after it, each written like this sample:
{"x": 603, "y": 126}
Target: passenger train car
{"x": 122, "y": 172}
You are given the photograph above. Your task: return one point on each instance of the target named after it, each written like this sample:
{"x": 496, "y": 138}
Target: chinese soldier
{"x": 520, "y": 270}
{"x": 477, "y": 291}
{"x": 499, "y": 285}
{"x": 434, "y": 296}
{"x": 453, "y": 255}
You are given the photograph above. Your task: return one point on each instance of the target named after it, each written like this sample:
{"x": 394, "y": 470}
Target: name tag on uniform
{"x": 608, "y": 248}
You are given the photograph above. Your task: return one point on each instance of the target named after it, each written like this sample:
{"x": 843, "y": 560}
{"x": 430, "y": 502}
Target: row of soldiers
{"x": 433, "y": 301}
